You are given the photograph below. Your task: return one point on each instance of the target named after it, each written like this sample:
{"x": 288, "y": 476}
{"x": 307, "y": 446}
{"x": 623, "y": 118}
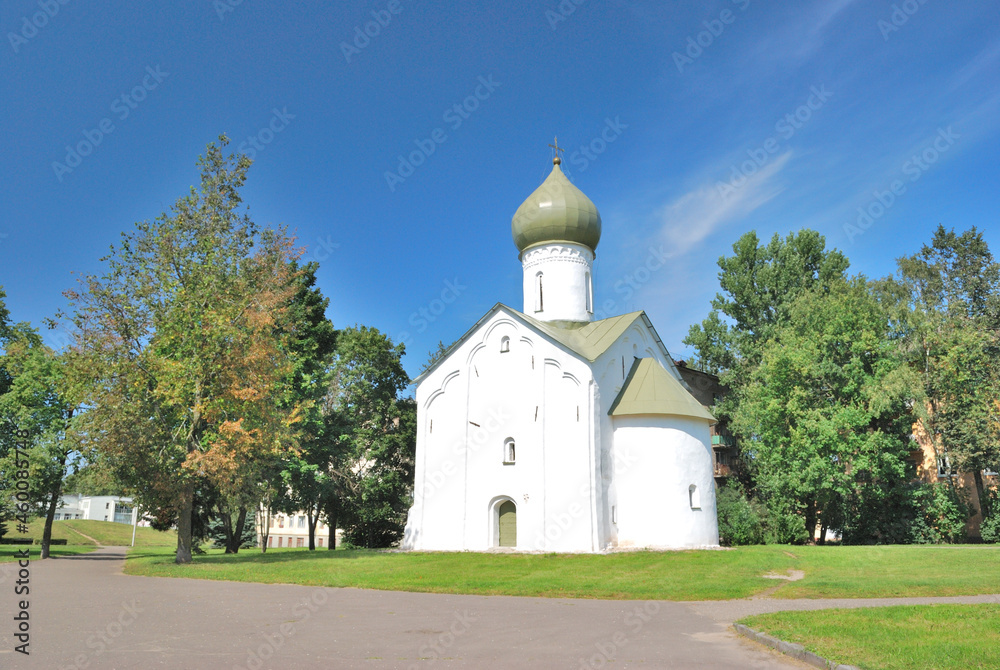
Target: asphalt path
{"x": 84, "y": 613}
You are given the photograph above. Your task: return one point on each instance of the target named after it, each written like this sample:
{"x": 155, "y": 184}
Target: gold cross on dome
{"x": 556, "y": 146}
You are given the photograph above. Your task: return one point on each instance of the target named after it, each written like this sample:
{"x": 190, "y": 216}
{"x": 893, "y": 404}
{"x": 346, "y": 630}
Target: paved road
{"x": 86, "y": 614}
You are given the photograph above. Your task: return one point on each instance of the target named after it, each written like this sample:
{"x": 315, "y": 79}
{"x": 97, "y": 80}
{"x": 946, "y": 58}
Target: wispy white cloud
{"x": 984, "y": 63}
{"x": 801, "y": 34}
{"x": 690, "y": 218}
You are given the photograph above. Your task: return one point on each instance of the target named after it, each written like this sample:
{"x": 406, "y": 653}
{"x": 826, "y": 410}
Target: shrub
{"x": 741, "y": 520}
{"x": 945, "y": 514}
{"x": 990, "y": 528}
{"x": 785, "y": 527}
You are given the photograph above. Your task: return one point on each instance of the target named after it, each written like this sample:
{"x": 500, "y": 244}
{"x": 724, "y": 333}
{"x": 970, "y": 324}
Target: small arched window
{"x": 504, "y": 344}
{"x": 539, "y": 303}
{"x": 694, "y": 498}
{"x": 590, "y": 295}
{"x": 509, "y": 451}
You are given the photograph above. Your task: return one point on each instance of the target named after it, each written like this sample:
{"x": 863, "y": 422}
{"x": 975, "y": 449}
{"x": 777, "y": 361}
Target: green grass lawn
{"x": 77, "y": 532}
{"x": 844, "y": 572}
{"x": 938, "y": 637}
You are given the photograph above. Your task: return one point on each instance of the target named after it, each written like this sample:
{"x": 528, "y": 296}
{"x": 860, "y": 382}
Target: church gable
{"x": 585, "y": 341}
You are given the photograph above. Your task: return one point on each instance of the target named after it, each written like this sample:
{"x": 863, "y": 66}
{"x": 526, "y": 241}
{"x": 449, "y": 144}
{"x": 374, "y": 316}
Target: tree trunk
{"x": 264, "y": 525}
{"x": 185, "y": 499}
{"x": 226, "y": 519}
{"x": 235, "y": 537}
{"x": 312, "y": 517}
{"x": 185, "y": 511}
{"x": 811, "y": 521}
{"x": 822, "y": 532}
{"x": 331, "y": 517}
{"x": 50, "y": 516}
{"x": 981, "y": 498}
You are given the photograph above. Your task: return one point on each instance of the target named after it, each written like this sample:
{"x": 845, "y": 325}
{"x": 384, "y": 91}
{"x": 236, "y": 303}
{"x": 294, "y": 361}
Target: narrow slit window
{"x": 504, "y": 344}
{"x": 590, "y": 295}
{"x": 539, "y": 295}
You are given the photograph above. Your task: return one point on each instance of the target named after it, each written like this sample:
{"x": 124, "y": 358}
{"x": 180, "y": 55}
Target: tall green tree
{"x": 41, "y": 401}
{"x": 826, "y": 416}
{"x": 950, "y": 290}
{"x": 306, "y": 474}
{"x": 759, "y": 282}
{"x": 184, "y": 339}
{"x": 5, "y": 333}
{"x": 434, "y": 356}
{"x": 375, "y": 472}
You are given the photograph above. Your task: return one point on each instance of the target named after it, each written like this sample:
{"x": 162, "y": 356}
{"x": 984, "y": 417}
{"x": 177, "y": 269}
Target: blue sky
{"x": 687, "y": 124}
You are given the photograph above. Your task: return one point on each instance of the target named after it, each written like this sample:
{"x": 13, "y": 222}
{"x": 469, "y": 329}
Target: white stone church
{"x": 547, "y": 430}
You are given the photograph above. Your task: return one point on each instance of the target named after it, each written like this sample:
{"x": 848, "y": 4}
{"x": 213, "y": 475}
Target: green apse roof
{"x": 556, "y": 212}
{"x": 649, "y": 389}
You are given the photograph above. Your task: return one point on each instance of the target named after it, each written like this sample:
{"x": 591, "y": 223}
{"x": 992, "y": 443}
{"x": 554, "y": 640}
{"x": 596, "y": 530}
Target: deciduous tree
{"x": 826, "y": 416}
{"x": 41, "y": 401}
{"x": 375, "y": 475}
{"x": 951, "y": 293}
{"x": 185, "y": 340}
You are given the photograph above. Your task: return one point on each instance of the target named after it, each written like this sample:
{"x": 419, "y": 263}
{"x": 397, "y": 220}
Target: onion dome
{"x": 556, "y": 212}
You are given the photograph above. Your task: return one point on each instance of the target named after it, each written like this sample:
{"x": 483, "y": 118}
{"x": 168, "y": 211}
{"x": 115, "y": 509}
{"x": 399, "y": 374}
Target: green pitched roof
{"x": 650, "y": 389}
{"x": 590, "y": 340}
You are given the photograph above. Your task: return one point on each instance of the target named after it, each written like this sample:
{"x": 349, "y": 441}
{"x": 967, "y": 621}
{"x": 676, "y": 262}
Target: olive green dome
{"x": 556, "y": 212}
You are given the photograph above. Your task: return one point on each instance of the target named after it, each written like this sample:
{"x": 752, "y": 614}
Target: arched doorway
{"x": 507, "y": 523}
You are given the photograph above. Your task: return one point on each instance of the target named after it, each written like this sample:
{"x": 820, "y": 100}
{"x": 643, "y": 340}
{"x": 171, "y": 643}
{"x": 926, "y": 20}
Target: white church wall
{"x": 525, "y": 388}
{"x": 665, "y": 491}
{"x": 569, "y": 456}
{"x": 566, "y": 292}
{"x": 611, "y": 369}
{"x": 501, "y": 389}
{"x": 440, "y": 462}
